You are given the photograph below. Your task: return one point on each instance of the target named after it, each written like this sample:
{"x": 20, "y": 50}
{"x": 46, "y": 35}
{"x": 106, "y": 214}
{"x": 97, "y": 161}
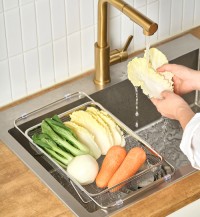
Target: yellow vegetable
{"x": 101, "y": 135}
{"x": 151, "y": 82}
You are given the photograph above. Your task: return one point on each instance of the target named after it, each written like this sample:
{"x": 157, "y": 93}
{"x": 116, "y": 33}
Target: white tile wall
{"x": 74, "y": 53}
{"x": 32, "y": 69}
{"x": 87, "y": 35}
{"x": 88, "y": 20}
{"x": 13, "y": 32}
{"x": 176, "y": 15}
{"x": 1, "y": 6}
{"x": 3, "y": 48}
{"x": 28, "y": 26}
{"x": 58, "y": 18}
{"x": 188, "y": 8}
{"x": 153, "y": 13}
{"x": 46, "y": 61}
{"x": 73, "y": 16}
{"x": 60, "y": 59}
{"x": 9, "y": 4}
{"x": 5, "y": 86}
{"x": 17, "y": 76}
{"x": 44, "y": 27}
{"x": 196, "y": 12}
{"x": 139, "y": 38}
{"x": 127, "y": 28}
{"x": 43, "y": 42}
{"x": 164, "y": 18}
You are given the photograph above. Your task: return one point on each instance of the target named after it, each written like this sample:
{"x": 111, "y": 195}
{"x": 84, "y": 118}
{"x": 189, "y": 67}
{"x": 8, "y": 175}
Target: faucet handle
{"x": 128, "y": 41}
{"x": 117, "y": 55}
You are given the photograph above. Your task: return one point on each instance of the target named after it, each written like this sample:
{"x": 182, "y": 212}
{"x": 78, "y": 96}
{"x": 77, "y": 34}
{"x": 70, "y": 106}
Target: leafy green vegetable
{"x": 66, "y": 134}
{"x": 56, "y": 137}
{"x": 56, "y": 118}
{"x": 57, "y": 121}
{"x": 45, "y": 142}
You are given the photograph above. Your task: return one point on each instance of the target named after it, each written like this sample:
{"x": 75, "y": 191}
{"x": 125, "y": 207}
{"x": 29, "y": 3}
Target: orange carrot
{"x": 111, "y": 163}
{"x": 131, "y": 164}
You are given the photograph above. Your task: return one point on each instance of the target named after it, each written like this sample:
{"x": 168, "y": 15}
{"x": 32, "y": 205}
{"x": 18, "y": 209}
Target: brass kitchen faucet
{"x": 103, "y": 56}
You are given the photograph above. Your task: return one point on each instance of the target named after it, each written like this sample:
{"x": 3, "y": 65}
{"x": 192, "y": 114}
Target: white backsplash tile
{"x": 113, "y": 12}
{"x": 188, "y": 13}
{"x": 9, "y": 4}
{"x": 48, "y": 41}
{"x": 130, "y": 2}
{"x": 29, "y": 29}
{"x": 13, "y": 32}
{"x": 95, "y": 11}
{"x": 58, "y": 18}
{"x": 5, "y": 86}
{"x": 60, "y": 59}
{"x": 139, "y": 38}
{"x": 74, "y": 53}
{"x": 18, "y": 78}
{"x": 86, "y": 13}
{"x": 73, "y": 16}
{"x": 87, "y": 48}
{"x": 139, "y": 3}
{"x": 153, "y": 14}
{"x": 150, "y": 1}
{"x": 176, "y": 15}
{"x": 164, "y": 19}
{"x": 114, "y": 31}
{"x": 32, "y": 68}
{"x": 3, "y": 48}
{"x": 1, "y": 6}
{"x": 197, "y": 13}
{"x": 43, "y": 22}
{"x": 46, "y": 65}
{"x": 127, "y": 29}
{"x": 23, "y": 2}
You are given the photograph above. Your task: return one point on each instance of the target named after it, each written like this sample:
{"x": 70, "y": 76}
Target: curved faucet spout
{"x": 102, "y": 49}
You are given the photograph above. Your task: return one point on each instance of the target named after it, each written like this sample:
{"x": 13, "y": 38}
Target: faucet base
{"x": 102, "y": 65}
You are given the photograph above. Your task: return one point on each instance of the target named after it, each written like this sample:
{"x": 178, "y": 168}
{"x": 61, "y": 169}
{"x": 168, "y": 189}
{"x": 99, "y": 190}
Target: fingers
{"x": 166, "y": 94}
{"x": 167, "y": 67}
{"x": 163, "y": 68}
{"x": 154, "y": 101}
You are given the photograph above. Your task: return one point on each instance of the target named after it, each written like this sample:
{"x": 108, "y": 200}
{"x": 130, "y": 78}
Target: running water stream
{"x": 164, "y": 120}
{"x": 147, "y": 39}
{"x": 136, "y": 107}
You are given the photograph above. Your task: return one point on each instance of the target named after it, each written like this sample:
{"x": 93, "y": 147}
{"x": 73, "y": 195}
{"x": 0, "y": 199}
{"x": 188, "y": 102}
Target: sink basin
{"x": 119, "y": 98}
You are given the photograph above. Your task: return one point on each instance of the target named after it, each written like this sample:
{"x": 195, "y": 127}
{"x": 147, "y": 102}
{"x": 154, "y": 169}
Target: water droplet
{"x": 136, "y": 107}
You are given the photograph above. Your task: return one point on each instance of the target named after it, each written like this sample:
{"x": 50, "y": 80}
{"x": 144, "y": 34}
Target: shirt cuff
{"x": 186, "y": 145}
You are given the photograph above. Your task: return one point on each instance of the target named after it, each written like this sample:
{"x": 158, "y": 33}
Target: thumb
{"x": 154, "y": 101}
{"x": 166, "y": 93}
{"x": 163, "y": 68}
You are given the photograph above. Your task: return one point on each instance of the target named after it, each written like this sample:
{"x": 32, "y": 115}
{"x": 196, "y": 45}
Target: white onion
{"x": 83, "y": 168}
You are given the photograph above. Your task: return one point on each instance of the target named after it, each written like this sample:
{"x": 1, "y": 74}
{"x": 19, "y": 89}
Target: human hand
{"x": 174, "y": 107}
{"x": 185, "y": 79}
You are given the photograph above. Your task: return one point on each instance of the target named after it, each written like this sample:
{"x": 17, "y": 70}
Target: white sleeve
{"x": 190, "y": 143}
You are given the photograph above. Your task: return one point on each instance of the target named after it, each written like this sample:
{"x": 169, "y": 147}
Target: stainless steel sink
{"x": 119, "y": 98}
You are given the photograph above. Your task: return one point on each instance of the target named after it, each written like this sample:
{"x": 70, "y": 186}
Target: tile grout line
{"x": 25, "y": 74}
{"x": 51, "y": 24}
{"x": 66, "y": 41}
{"x": 4, "y": 20}
{"x": 37, "y": 48}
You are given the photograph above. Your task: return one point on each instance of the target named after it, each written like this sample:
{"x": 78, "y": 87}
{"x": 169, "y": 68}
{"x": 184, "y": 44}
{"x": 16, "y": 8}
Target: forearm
{"x": 190, "y": 143}
{"x": 184, "y": 115}
{"x": 196, "y": 80}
